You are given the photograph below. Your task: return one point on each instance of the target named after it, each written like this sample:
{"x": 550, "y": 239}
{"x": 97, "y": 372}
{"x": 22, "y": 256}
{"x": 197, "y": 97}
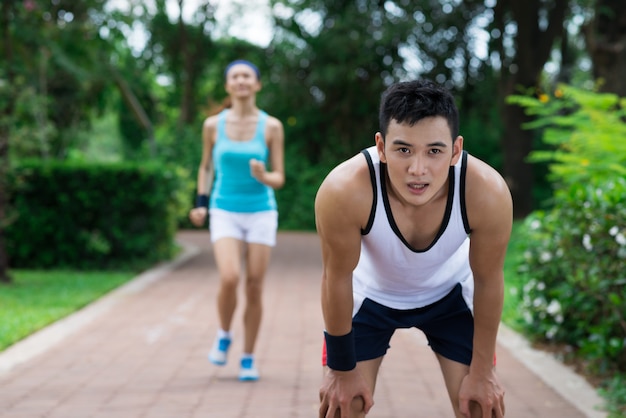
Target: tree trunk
{"x": 186, "y": 115}
{"x": 4, "y": 138}
{"x": 4, "y": 163}
{"x": 133, "y": 103}
{"x": 606, "y": 44}
{"x": 533, "y": 47}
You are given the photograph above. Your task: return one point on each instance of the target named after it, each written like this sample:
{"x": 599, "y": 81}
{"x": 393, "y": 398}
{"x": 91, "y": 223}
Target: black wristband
{"x": 340, "y": 351}
{"x": 202, "y": 201}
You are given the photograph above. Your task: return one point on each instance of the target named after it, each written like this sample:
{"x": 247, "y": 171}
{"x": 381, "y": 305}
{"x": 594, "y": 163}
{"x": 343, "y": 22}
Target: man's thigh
{"x": 453, "y": 373}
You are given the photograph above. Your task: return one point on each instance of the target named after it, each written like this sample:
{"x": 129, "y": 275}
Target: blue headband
{"x": 245, "y": 62}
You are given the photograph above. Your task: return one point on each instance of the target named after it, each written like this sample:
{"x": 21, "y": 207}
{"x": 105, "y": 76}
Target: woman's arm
{"x": 275, "y": 137}
{"x": 198, "y": 215}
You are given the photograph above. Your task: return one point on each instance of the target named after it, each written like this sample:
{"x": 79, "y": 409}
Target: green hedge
{"x": 90, "y": 216}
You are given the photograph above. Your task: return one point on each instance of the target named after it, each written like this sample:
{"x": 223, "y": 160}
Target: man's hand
{"x": 197, "y": 216}
{"x": 485, "y": 391}
{"x": 344, "y": 392}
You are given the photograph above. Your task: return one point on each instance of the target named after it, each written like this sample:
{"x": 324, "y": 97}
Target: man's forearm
{"x": 337, "y": 303}
{"x": 488, "y": 300}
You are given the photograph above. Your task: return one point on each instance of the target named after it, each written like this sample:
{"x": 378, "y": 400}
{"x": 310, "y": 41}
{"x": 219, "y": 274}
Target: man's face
{"x": 418, "y": 158}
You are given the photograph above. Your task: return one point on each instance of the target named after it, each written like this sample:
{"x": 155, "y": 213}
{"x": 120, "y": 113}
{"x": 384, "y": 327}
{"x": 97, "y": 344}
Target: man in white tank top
{"x": 414, "y": 233}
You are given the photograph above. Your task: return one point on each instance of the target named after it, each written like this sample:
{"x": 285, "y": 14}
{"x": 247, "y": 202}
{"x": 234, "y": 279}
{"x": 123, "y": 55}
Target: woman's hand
{"x": 257, "y": 169}
{"x": 197, "y": 216}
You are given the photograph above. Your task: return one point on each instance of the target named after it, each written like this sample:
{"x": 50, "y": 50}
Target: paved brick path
{"x": 141, "y": 352}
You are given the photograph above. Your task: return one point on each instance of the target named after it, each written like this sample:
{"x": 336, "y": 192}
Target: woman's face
{"x": 242, "y": 81}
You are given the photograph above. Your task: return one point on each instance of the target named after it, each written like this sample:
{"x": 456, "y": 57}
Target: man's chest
{"x": 419, "y": 227}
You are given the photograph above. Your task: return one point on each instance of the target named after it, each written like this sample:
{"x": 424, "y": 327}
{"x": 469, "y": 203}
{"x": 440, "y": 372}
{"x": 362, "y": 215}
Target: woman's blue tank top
{"x": 234, "y": 188}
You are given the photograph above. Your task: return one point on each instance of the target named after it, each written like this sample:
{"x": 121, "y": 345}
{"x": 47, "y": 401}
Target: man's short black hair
{"x": 411, "y": 101}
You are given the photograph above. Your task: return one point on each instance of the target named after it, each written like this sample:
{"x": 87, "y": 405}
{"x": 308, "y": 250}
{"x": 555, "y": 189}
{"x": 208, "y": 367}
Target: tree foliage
{"x": 185, "y": 50}
{"x": 322, "y": 74}
{"x": 59, "y": 80}
{"x": 581, "y": 129}
{"x": 335, "y": 59}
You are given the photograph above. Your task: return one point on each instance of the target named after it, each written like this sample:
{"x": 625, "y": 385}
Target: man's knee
{"x": 356, "y": 408}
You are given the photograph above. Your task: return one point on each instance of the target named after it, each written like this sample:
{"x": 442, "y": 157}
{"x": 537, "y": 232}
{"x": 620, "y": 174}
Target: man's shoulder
{"x": 349, "y": 170}
{"x": 486, "y": 191}
{"x": 483, "y": 174}
{"x": 348, "y": 180}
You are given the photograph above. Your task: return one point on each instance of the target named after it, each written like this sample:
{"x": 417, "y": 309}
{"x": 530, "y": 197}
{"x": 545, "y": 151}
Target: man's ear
{"x": 457, "y": 150}
{"x": 380, "y": 147}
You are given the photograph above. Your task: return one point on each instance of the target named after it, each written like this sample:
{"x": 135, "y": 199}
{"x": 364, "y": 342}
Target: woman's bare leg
{"x": 258, "y": 257}
{"x": 228, "y": 253}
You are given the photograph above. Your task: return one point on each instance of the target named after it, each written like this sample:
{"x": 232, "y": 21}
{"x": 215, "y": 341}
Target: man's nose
{"x": 417, "y": 166}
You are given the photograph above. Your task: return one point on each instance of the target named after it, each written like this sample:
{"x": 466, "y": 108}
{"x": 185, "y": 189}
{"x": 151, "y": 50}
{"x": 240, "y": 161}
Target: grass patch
{"x": 38, "y": 298}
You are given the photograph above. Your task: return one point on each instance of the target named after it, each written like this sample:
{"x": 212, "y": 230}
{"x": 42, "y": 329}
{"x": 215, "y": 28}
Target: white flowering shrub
{"x": 575, "y": 270}
{"x": 575, "y": 263}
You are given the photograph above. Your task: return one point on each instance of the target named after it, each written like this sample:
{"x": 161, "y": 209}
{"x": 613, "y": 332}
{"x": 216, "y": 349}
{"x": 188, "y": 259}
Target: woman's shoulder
{"x": 273, "y": 122}
{"x": 274, "y": 127}
{"x": 211, "y": 121}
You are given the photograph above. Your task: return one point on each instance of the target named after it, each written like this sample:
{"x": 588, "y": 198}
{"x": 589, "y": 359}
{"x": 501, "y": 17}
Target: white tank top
{"x": 396, "y": 275}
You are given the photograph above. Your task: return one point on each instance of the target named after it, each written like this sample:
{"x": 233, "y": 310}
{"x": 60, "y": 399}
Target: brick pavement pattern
{"x": 146, "y": 356}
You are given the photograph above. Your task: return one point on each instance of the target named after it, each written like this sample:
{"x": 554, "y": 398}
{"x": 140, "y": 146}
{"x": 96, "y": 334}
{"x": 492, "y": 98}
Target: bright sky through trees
{"x": 244, "y": 19}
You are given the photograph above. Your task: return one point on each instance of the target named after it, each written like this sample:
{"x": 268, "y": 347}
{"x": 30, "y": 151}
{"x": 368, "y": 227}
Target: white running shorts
{"x": 253, "y": 227}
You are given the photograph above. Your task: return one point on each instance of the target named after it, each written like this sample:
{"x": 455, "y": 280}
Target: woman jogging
{"x": 238, "y": 142}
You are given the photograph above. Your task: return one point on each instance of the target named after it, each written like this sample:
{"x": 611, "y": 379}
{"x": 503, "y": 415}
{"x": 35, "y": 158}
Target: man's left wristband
{"x": 202, "y": 201}
{"x": 340, "y": 351}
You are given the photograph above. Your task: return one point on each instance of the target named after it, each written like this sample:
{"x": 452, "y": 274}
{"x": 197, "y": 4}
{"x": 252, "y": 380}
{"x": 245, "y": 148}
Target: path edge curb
{"x": 554, "y": 373}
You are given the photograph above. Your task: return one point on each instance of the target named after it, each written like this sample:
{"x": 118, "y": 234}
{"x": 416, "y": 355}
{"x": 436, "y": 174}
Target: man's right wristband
{"x": 340, "y": 351}
{"x": 202, "y": 201}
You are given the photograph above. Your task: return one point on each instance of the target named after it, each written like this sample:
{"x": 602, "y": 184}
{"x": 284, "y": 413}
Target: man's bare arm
{"x": 339, "y": 210}
{"x": 490, "y": 217}
{"x": 340, "y": 237}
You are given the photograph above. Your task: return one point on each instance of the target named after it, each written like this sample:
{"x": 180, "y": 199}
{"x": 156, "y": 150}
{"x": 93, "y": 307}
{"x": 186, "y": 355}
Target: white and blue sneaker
{"x": 219, "y": 351}
{"x": 247, "y": 372}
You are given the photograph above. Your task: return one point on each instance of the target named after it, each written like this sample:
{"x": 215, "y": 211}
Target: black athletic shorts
{"x": 448, "y": 325}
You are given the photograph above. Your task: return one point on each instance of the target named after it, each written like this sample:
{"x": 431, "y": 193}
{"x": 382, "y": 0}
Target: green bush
{"x": 614, "y": 389}
{"x": 88, "y": 216}
{"x": 575, "y": 266}
{"x": 575, "y": 252}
